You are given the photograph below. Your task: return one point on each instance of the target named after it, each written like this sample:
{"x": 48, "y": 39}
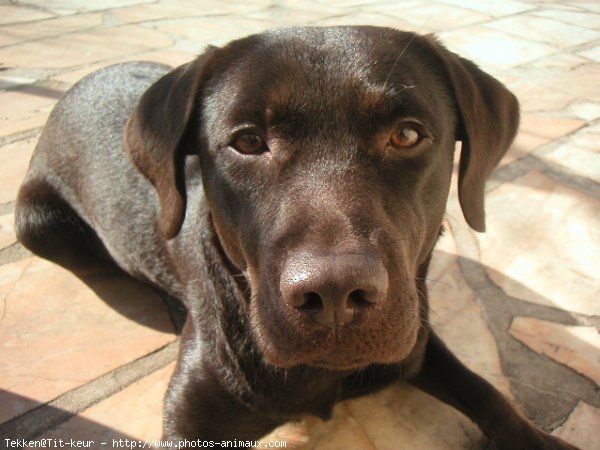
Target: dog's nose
{"x": 334, "y": 290}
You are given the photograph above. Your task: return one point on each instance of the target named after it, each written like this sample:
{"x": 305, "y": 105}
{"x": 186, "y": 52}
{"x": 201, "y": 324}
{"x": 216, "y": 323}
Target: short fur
{"x": 301, "y": 264}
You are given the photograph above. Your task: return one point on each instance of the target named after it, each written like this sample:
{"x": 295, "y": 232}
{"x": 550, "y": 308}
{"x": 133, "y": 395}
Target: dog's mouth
{"x": 385, "y": 338}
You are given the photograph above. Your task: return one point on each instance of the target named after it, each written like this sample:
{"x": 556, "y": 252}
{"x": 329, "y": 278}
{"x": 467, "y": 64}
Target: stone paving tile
{"x": 15, "y": 161}
{"x": 584, "y": 417}
{"x": 7, "y": 234}
{"x": 59, "y": 332}
{"x": 536, "y": 131}
{"x": 135, "y": 413}
{"x": 534, "y": 269}
{"x": 553, "y": 32}
{"x": 48, "y": 28}
{"x": 66, "y": 7}
{"x": 17, "y": 14}
{"x": 574, "y": 346}
{"x": 494, "y": 48}
{"x": 24, "y": 109}
{"x": 84, "y": 48}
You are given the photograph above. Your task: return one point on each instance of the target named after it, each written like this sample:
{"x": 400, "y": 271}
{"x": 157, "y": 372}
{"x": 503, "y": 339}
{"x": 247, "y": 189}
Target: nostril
{"x": 312, "y": 304}
{"x": 360, "y": 299}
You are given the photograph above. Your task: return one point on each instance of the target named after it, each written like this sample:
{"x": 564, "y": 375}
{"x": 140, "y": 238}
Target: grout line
{"x": 13, "y": 253}
{"x": 50, "y": 415}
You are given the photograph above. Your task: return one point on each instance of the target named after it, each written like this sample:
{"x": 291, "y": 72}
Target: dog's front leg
{"x": 447, "y": 379}
{"x": 200, "y": 404}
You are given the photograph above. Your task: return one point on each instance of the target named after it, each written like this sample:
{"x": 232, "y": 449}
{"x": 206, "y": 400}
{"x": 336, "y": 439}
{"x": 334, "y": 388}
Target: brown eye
{"x": 249, "y": 144}
{"x": 404, "y": 137}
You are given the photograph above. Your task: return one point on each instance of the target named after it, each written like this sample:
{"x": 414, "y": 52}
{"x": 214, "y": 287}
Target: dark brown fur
{"x": 301, "y": 264}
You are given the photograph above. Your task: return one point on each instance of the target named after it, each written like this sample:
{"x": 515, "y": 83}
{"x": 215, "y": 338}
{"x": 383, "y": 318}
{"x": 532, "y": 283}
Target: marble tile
{"x": 458, "y": 318}
{"x": 10, "y": 14}
{"x": 551, "y": 265}
{"x": 24, "y": 109}
{"x": 15, "y": 161}
{"x": 578, "y": 18}
{"x": 7, "y": 232}
{"x": 573, "y": 346}
{"x": 400, "y": 413}
{"x": 581, "y": 82}
{"x": 371, "y": 18}
{"x": 494, "y": 48}
{"x": 300, "y": 14}
{"x": 592, "y": 53}
{"x": 536, "y": 98}
{"x": 58, "y": 333}
{"x": 203, "y": 31}
{"x": 585, "y": 110}
{"x": 503, "y": 8}
{"x": 581, "y": 428}
{"x": 548, "y": 31}
{"x": 439, "y": 17}
{"x": 170, "y": 57}
{"x": 536, "y": 131}
{"x": 73, "y": 50}
{"x": 186, "y": 9}
{"x": 135, "y": 413}
{"x": 52, "y": 27}
{"x": 580, "y": 154}
{"x": 66, "y": 7}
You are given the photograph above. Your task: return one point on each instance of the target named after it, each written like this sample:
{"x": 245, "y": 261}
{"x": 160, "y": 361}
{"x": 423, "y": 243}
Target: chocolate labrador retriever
{"x": 289, "y": 188}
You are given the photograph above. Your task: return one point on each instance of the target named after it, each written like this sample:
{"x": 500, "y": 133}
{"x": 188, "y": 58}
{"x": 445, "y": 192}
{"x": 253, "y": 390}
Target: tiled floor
{"x": 90, "y": 358}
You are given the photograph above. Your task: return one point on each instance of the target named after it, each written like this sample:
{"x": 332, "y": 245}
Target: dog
{"x": 289, "y": 189}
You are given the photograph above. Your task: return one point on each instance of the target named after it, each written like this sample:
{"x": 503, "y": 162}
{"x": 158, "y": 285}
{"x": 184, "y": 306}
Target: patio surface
{"x": 90, "y": 359}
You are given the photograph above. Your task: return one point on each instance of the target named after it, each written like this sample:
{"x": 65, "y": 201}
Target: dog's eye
{"x": 405, "y": 136}
{"x": 249, "y": 144}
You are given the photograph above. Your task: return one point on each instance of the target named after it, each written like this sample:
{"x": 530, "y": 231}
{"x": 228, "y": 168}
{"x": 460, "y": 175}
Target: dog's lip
{"x": 353, "y": 365}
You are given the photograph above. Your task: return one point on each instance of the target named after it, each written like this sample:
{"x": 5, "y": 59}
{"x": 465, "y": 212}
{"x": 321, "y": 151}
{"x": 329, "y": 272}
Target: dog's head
{"x": 326, "y": 158}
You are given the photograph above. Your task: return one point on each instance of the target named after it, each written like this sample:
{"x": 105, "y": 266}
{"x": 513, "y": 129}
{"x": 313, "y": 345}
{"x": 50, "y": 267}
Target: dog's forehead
{"x": 323, "y": 71}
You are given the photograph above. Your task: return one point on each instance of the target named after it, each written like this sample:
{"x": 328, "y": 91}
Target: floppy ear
{"x": 155, "y": 137}
{"x": 488, "y": 122}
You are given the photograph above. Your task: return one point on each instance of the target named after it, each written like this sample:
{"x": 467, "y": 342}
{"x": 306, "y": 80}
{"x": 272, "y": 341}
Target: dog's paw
{"x": 534, "y": 440}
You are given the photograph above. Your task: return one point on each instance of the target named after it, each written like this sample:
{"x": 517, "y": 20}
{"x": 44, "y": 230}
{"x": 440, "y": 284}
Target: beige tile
{"x": 72, "y": 7}
{"x": 170, "y": 57}
{"x": 439, "y": 17}
{"x": 593, "y": 53}
{"x": 58, "y": 333}
{"x": 536, "y": 131}
{"x": 581, "y": 82}
{"x": 581, "y": 428}
{"x": 300, "y": 14}
{"x": 370, "y": 18}
{"x": 493, "y": 48}
{"x": 503, "y": 8}
{"x": 580, "y": 19}
{"x": 209, "y": 30}
{"x": 51, "y": 27}
{"x": 15, "y": 14}
{"x": 7, "y": 232}
{"x": 398, "y": 414}
{"x": 134, "y": 413}
{"x": 536, "y": 98}
{"x": 574, "y": 346}
{"x": 581, "y": 161}
{"x": 548, "y": 31}
{"x": 186, "y": 8}
{"x": 24, "y": 109}
{"x": 15, "y": 161}
{"x": 458, "y": 318}
{"x": 541, "y": 238}
{"x": 84, "y": 48}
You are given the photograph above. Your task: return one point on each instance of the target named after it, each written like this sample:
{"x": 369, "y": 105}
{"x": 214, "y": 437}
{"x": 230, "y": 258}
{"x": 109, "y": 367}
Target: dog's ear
{"x": 155, "y": 137}
{"x": 488, "y": 122}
